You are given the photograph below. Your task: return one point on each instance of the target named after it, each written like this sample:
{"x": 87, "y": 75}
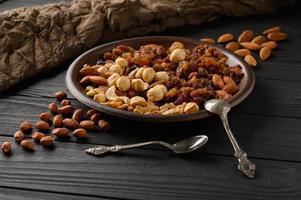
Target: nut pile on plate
{"x": 158, "y": 80}
{"x": 247, "y": 41}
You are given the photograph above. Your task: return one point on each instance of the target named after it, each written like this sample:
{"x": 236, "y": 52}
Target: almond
{"x": 57, "y": 120}
{"x": 84, "y": 80}
{"x": 259, "y": 39}
{"x": 95, "y": 117}
{"x": 47, "y": 141}
{"x": 25, "y": 126}
{"x": 225, "y": 38}
{"x": 27, "y": 145}
{"x": 85, "y": 71}
{"x": 277, "y": 36}
{"x": 265, "y": 53}
{"x": 98, "y": 80}
{"x": 228, "y": 79}
{"x": 251, "y": 60}
{"x": 52, "y": 108}
{"x": 19, "y": 136}
{"x": 104, "y": 125}
{"x": 87, "y": 124}
{"x": 270, "y": 44}
{"x": 230, "y": 88}
{"x": 274, "y": 29}
{"x": 232, "y": 46}
{"x": 78, "y": 114}
{"x": 80, "y": 133}
{"x": 242, "y": 52}
{"x": 246, "y": 36}
{"x": 41, "y": 125}
{"x": 208, "y": 40}
{"x": 70, "y": 123}
{"x": 66, "y": 110}
{"x": 65, "y": 102}
{"x": 60, "y": 132}
{"x": 90, "y": 112}
{"x": 45, "y": 116}
{"x": 60, "y": 96}
{"x": 250, "y": 45}
{"x": 217, "y": 81}
{"x": 6, "y": 147}
{"x": 221, "y": 94}
{"x": 37, "y": 136}
{"x": 199, "y": 92}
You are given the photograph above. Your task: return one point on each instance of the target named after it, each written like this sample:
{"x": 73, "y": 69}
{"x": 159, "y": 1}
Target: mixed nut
{"x": 64, "y": 118}
{"x": 156, "y": 80}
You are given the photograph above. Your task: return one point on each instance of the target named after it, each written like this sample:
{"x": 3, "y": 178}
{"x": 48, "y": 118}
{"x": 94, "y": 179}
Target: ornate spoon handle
{"x": 244, "y": 164}
{"x": 102, "y": 149}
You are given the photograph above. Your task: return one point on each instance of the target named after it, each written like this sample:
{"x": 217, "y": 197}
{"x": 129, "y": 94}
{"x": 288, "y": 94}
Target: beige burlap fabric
{"x": 40, "y": 38}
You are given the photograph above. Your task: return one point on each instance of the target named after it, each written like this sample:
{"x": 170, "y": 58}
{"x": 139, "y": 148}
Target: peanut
{"x": 70, "y": 123}
{"x": 52, "y": 108}
{"x": 217, "y": 81}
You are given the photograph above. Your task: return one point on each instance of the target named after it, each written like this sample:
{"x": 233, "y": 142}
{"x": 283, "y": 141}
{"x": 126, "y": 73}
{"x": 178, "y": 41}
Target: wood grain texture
{"x": 28, "y": 194}
{"x": 263, "y": 136}
{"x": 146, "y": 174}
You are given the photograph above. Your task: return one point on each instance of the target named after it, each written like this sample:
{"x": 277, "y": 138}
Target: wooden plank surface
{"x": 147, "y": 174}
{"x": 267, "y": 124}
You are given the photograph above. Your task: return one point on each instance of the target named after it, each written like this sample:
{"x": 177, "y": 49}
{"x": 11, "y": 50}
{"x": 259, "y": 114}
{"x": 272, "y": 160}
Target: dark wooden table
{"x": 267, "y": 124}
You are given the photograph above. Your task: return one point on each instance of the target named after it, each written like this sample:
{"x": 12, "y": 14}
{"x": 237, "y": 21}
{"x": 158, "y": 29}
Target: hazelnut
{"x": 112, "y": 79}
{"x": 115, "y": 68}
{"x": 148, "y": 74}
{"x": 139, "y": 85}
{"x": 139, "y": 72}
{"x": 161, "y": 76}
{"x": 122, "y": 62}
{"x": 123, "y": 83}
{"x": 138, "y": 101}
{"x": 100, "y": 97}
{"x": 177, "y": 55}
{"x": 6, "y": 147}
{"x": 176, "y": 45}
{"x": 162, "y": 87}
{"x": 155, "y": 94}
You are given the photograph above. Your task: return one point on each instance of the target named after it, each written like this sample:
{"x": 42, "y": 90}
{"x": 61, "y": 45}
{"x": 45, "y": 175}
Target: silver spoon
{"x": 183, "y": 146}
{"x": 222, "y": 108}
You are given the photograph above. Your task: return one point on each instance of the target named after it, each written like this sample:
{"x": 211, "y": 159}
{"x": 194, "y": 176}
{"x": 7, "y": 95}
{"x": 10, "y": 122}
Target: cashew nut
{"x": 102, "y": 70}
{"x": 191, "y": 107}
{"x": 112, "y": 96}
{"x": 100, "y": 97}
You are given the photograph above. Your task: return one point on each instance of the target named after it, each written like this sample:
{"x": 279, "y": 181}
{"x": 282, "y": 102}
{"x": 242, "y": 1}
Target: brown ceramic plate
{"x": 90, "y": 57}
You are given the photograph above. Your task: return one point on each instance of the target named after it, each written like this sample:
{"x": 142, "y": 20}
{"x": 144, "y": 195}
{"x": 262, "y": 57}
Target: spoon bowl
{"x": 190, "y": 144}
{"x": 217, "y": 106}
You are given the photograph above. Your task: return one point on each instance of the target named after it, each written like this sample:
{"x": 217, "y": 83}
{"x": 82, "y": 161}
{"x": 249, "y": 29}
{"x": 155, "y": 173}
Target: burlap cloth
{"x": 40, "y": 38}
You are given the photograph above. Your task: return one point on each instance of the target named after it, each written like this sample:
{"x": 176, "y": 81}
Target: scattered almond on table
{"x": 247, "y": 42}
{"x": 64, "y": 118}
